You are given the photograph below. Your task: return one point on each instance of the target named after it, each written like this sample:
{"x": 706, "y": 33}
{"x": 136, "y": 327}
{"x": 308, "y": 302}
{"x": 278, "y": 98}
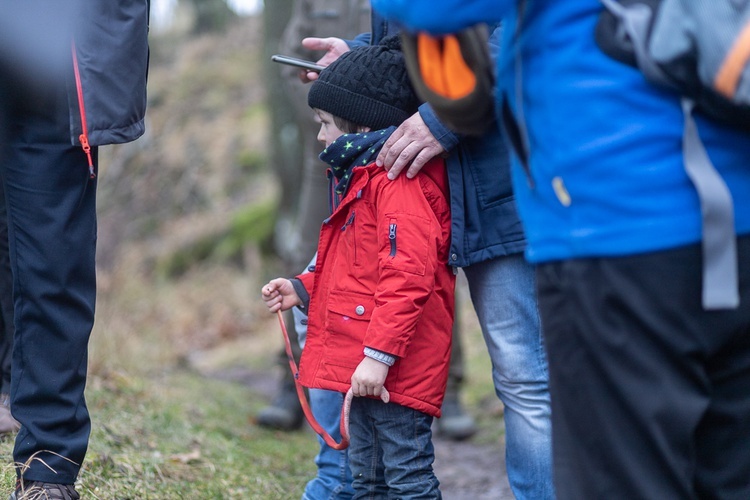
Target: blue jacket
{"x": 605, "y": 173}
{"x": 485, "y": 222}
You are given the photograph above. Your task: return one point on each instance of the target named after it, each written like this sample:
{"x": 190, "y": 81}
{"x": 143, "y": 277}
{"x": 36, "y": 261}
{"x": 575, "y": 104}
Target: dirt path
{"x": 470, "y": 471}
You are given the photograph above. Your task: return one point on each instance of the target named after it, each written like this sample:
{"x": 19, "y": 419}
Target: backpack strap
{"x": 719, "y": 242}
{"x": 635, "y": 20}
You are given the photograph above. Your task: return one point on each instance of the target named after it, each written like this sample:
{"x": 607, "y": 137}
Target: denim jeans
{"x": 334, "y": 478}
{"x": 504, "y": 297}
{"x": 391, "y": 452}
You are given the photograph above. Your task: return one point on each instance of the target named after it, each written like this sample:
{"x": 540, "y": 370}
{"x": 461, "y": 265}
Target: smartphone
{"x": 300, "y": 63}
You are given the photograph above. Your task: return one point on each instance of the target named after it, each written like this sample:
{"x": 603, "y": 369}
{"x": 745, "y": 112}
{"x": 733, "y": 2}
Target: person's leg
{"x": 365, "y": 454}
{"x": 334, "y": 478}
{"x": 455, "y": 422}
{"x": 7, "y": 422}
{"x": 724, "y": 433}
{"x": 404, "y": 439}
{"x": 649, "y": 391}
{"x": 504, "y": 297}
{"x": 6, "y": 299}
{"x": 52, "y": 235}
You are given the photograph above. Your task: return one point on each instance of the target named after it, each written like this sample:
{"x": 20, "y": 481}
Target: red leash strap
{"x": 305, "y": 405}
{"x": 345, "y": 408}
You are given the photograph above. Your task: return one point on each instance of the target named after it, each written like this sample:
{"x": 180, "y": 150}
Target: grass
{"x": 183, "y": 436}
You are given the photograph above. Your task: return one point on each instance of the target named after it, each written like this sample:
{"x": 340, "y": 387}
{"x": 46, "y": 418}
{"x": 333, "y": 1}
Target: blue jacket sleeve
{"x": 443, "y": 16}
{"x": 443, "y": 134}
{"x": 361, "y": 40}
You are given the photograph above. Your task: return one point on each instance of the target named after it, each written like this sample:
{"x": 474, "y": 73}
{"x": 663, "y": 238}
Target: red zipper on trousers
{"x": 84, "y": 137}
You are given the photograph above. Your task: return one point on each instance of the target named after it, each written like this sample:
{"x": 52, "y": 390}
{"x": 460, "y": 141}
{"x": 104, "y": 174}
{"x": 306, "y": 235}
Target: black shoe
{"x": 285, "y": 412}
{"x": 37, "y": 490}
{"x": 455, "y": 423}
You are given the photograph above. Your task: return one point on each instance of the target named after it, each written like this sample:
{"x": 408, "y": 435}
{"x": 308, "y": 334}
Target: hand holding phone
{"x": 299, "y": 63}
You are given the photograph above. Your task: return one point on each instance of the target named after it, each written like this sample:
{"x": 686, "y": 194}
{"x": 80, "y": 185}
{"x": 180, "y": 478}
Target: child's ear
{"x": 362, "y": 129}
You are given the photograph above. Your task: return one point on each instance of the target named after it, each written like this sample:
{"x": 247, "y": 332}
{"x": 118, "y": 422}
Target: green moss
{"x": 252, "y": 225}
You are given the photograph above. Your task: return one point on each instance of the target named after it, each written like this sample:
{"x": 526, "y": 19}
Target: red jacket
{"x": 382, "y": 280}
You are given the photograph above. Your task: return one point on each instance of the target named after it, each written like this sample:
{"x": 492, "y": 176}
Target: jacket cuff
{"x": 299, "y": 288}
{"x": 446, "y": 137}
{"x": 361, "y": 40}
{"x": 381, "y": 356}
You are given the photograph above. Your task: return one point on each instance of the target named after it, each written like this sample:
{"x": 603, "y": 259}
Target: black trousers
{"x": 6, "y": 300}
{"x": 51, "y": 204}
{"x": 650, "y": 393}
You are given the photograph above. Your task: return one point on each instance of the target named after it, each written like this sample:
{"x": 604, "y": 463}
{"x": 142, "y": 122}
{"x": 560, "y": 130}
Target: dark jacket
{"x": 485, "y": 223}
{"x": 112, "y": 52}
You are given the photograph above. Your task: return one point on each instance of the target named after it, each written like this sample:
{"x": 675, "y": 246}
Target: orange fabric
{"x": 728, "y": 77}
{"x": 443, "y": 68}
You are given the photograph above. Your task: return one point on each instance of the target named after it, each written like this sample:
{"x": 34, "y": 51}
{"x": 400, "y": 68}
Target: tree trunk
{"x": 285, "y": 155}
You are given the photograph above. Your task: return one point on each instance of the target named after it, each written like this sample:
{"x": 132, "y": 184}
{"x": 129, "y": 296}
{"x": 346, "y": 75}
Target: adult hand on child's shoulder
{"x": 333, "y": 47}
{"x": 369, "y": 377}
{"x": 411, "y": 144}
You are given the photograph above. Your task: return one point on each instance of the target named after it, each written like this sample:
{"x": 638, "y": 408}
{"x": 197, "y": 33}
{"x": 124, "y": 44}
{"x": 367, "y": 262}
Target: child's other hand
{"x": 369, "y": 377}
{"x": 279, "y": 295}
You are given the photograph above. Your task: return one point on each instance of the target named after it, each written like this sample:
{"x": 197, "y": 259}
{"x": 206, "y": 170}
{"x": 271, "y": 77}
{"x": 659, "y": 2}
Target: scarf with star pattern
{"x": 352, "y": 150}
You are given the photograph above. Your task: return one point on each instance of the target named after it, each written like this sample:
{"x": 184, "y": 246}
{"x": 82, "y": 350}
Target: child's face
{"x": 329, "y": 132}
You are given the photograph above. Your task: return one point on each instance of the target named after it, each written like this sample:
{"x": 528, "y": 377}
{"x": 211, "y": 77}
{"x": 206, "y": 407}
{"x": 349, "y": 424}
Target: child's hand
{"x": 369, "y": 377}
{"x": 279, "y": 295}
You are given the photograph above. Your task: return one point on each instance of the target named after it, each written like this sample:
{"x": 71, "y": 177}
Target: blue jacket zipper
{"x": 392, "y": 237}
{"x": 348, "y": 222}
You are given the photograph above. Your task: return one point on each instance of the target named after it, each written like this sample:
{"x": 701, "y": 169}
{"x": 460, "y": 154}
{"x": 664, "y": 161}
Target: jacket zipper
{"x": 392, "y": 236}
{"x": 84, "y": 137}
{"x": 348, "y": 222}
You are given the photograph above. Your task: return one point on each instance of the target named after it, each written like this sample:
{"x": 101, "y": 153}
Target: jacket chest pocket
{"x": 359, "y": 238}
{"x": 408, "y": 244}
{"x": 349, "y": 238}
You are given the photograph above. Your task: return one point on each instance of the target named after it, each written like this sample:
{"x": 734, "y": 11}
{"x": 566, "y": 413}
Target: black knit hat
{"x": 368, "y": 86}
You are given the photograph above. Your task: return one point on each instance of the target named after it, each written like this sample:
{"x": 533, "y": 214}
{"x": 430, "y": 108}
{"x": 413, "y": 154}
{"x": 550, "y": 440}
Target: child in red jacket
{"x": 380, "y": 299}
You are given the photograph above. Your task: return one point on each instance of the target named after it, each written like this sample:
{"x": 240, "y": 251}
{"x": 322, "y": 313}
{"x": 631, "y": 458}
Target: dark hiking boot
{"x": 37, "y": 490}
{"x": 285, "y": 412}
{"x": 455, "y": 423}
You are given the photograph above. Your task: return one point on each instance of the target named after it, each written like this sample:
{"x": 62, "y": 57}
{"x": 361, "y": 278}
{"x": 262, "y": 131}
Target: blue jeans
{"x": 334, "y": 478}
{"x": 391, "y": 452}
{"x": 504, "y": 297}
